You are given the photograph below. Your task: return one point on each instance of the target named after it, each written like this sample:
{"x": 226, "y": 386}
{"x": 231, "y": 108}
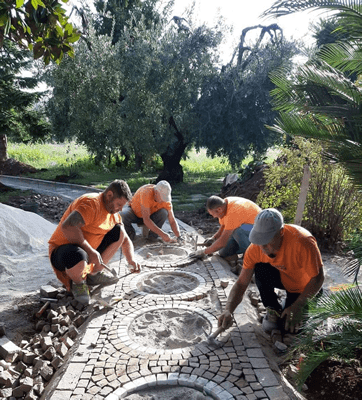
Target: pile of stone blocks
{"x": 27, "y": 368}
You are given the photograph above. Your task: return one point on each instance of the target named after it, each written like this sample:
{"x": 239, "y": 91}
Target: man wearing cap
{"x": 150, "y": 206}
{"x": 236, "y": 217}
{"x": 284, "y": 257}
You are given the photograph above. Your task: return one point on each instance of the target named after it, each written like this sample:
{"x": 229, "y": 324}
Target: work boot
{"x": 101, "y": 279}
{"x": 81, "y": 293}
{"x": 271, "y": 320}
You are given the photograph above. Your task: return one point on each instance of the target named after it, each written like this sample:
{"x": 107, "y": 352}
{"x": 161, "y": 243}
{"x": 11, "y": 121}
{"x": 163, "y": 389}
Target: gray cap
{"x": 267, "y": 223}
{"x": 164, "y": 189}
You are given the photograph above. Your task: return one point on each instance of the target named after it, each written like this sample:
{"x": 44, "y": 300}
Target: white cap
{"x": 164, "y": 189}
{"x": 267, "y": 223}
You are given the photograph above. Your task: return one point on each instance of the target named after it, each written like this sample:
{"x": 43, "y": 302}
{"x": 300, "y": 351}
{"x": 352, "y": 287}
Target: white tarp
{"x": 24, "y": 261}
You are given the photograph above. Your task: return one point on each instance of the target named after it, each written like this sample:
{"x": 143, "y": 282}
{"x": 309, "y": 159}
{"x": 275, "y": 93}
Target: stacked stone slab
{"x": 27, "y": 368}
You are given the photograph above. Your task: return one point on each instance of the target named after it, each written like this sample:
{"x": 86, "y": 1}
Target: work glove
{"x": 209, "y": 242}
{"x": 198, "y": 254}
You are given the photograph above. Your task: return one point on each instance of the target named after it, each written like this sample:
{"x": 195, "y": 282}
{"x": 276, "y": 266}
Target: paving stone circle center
{"x": 168, "y": 283}
{"x": 169, "y": 328}
{"x": 160, "y": 255}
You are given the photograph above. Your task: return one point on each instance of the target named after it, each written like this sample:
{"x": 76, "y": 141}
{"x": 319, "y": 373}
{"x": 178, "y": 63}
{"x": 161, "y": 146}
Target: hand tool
{"x": 112, "y": 271}
{"x": 211, "y": 339}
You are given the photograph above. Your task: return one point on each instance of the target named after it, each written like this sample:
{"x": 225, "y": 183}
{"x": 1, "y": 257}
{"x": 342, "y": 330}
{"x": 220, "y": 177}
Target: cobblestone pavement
{"x": 109, "y": 364}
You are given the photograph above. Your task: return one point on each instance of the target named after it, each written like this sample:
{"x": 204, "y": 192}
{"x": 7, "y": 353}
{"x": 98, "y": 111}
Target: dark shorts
{"x": 67, "y": 255}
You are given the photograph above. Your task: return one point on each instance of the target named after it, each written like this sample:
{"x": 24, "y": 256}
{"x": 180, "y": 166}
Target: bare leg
{"x": 111, "y": 250}
{"x": 75, "y": 273}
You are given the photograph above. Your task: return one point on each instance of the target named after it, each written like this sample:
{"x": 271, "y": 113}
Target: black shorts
{"x": 67, "y": 255}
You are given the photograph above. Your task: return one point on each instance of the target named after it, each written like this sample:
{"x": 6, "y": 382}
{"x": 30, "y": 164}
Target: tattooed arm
{"x": 71, "y": 228}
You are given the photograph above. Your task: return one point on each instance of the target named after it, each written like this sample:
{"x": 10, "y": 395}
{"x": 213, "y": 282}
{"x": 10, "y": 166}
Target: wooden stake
{"x": 302, "y": 196}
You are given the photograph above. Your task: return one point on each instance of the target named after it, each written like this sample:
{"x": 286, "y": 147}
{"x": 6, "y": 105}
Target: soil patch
{"x": 15, "y": 168}
{"x": 336, "y": 380}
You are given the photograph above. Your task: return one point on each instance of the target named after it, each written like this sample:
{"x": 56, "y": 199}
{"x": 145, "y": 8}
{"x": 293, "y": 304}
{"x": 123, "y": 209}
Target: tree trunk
{"x": 172, "y": 169}
{"x": 3, "y": 148}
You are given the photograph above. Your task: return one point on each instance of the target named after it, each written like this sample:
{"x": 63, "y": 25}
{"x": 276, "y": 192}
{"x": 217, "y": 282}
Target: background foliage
{"x": 333, "y": 208}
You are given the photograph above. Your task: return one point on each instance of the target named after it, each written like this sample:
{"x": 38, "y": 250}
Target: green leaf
{"x": 3, "y": 19}
{"x": 34, "y": 3}
{"x": 74, "y": 38}
{"x": 19, "y": 3}
{"x": 59, "y": 31}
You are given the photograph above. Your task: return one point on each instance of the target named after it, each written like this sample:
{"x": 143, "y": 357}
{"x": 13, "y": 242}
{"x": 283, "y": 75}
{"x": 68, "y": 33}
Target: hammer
{"x": 211, "y": 339}
{"x": 112, "y": 271}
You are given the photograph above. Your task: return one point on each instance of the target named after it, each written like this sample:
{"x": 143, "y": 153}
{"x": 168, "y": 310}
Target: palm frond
{"x": 308, "y": 365}
{"x": 353, "y": 266}
{"x": 344, "y": 303}
{"x": 333, "y": 327}
{"x": 287, "y": 7}
{"x": 343, "y": 56}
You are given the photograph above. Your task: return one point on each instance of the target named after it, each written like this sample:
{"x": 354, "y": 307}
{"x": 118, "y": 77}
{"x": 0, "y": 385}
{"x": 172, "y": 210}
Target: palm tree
{"x": 322, "y": 101}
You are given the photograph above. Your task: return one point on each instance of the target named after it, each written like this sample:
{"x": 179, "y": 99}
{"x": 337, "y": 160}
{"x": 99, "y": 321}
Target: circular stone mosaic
{"x": 163, "y": 255}
{"x": 169, "y": 329}
{"x": 168, "y": 393}
{"x": 168, "y": 282}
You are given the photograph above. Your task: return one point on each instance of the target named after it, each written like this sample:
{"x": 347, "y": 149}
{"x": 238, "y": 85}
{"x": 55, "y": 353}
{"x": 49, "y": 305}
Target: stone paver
{"x": 111, "y": 364}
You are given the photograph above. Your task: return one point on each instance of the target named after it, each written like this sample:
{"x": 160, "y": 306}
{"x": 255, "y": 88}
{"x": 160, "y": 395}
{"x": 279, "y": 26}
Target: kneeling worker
{"x": 87, "y": 237}
{"x": 151, "y": 206}
{"x": 236, "y": 217}
{"x": 284, "y": 257}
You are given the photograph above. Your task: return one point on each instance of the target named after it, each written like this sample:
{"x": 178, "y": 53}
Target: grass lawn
{"x": 202, "y": 174}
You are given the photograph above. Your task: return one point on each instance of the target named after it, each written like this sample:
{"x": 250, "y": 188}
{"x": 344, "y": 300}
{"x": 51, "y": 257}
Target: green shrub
{"x": 333, "y": 208}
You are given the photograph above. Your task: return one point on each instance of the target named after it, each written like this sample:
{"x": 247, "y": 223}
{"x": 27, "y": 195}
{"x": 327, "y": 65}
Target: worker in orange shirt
{"x": 284, "y": 257}
{"x": 236, "y": 217}
{"x": 150, "y": 206}
{"x": 87, "y": 237}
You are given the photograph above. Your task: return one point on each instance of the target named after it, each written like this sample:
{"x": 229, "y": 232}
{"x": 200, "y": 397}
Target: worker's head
{"x": 116, "y": 196}
{"x": 163, "y": 190}
{"x": 216, "y": 206}
{"x": 267, "y": 231}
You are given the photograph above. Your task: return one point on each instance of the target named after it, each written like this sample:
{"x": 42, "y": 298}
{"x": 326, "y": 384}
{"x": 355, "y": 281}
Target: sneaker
{"x": 271, "y": 320}
{"x": 101, "y": 279}
{"x": 81, "y": 293}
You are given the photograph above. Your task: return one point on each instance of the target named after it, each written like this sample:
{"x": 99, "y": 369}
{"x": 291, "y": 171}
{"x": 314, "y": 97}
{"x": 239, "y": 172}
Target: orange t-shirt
{"x": 298, "y": 260}
{"x": 145, "y": 196}
{"x": 239, "y": 211}
{"x": 98, "y": 221}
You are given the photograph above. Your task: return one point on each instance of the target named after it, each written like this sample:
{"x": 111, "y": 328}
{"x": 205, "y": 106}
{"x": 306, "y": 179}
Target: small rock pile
{"x": 25, "y": 370}
{"x": 51, "y": 208}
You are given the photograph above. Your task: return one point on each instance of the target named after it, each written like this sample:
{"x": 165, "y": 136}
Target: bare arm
{"x": 146, "y": 216}
{"x": 128, "y": 250}
{"x": 219, "y": 232}
{"x": 173, "y": 223}
{"x": 220, "y": 242}
{"x": 72, "y": 229}
{"x": 235, "y": 297}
